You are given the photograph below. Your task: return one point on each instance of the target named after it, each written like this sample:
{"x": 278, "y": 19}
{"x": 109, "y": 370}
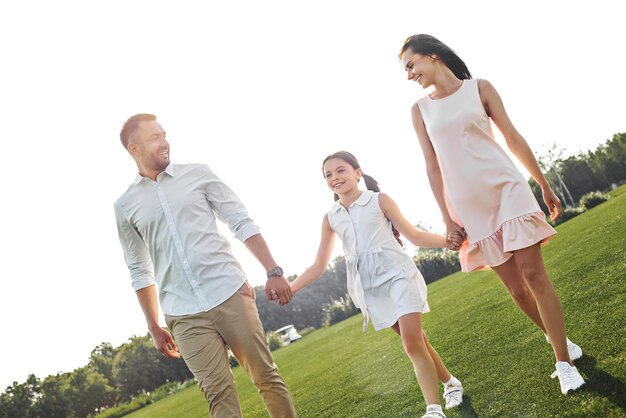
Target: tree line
{"x": 115, "y": 375}
{"x": 571, "y": 178}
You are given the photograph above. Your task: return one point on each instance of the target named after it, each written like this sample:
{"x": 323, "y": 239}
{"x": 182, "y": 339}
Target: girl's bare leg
{"x": 410, "y": 326}
{"x": 442, "y": 371}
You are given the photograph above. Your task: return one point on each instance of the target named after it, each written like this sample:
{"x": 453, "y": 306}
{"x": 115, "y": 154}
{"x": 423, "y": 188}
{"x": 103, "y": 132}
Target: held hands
{"x": 455, "y": 236}
{"x": 552, "y": 202}
{"x": 277, "y": 289}
{"x": 164, "y": 342}
{"x": 454, "y": 241}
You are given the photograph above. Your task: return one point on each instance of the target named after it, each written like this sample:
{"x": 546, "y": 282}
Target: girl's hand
{"x": 552, "y": 202}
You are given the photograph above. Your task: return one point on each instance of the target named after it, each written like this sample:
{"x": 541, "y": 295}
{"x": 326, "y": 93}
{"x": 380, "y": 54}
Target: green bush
{"x": 592, "y": 199}
{"x": 273, "y": 340}
{"x": 568, "y": 214}
{"x": 232, "y": 360}
{"x": 435, "y": 263}
{"x": 306, "y": 331}
{"x": 140, "y": 401}
{"x": 338, "y": 310}
{"x": 126, "y": 408}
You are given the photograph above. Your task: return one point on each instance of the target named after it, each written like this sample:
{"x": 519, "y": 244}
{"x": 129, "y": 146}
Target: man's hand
{"x": 164, "y": 342}
{"x": 277, "y": 289}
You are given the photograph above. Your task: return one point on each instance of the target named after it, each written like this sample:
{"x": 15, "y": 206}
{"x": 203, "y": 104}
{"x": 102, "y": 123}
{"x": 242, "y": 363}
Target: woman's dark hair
{"x": 429, "y": 45}
{"x": 370, "y": 182}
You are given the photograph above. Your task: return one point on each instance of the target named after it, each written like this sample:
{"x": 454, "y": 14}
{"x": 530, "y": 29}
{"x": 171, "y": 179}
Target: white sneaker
{"x": 434, "y": 414}
{"x": 453, "y": 395}
{"x": 569, "y": 378}
{"x": 574, "y": 351}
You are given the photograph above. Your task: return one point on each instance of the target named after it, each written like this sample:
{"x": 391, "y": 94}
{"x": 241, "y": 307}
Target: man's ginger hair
{"x": 131, "y": 125}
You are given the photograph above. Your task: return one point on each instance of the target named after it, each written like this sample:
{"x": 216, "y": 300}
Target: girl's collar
{"x": 362, "y": 200}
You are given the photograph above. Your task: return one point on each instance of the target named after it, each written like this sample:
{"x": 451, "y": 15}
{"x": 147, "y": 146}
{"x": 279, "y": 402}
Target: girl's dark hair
{"x": 429, "y": 45}
{"x": 370, "y": 182}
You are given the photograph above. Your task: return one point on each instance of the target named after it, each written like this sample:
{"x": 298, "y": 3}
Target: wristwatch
{"x": 276, "y": 271}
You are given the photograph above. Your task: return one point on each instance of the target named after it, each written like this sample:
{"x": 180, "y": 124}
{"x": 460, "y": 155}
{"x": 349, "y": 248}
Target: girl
{"x": 481, "y": 193}
{"x": 382, "y": 279}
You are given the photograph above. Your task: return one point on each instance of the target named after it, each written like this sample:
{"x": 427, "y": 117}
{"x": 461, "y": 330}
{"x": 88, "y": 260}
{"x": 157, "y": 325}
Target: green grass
{"x": 503, "y": 360}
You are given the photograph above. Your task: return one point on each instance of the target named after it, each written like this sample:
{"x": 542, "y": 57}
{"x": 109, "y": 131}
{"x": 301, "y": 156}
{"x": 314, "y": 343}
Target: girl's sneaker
{"x": 434, "y": 411}
{"x": 453, "y": 395}
{"x": 574, "y": 351}
{"x": 434, "y": 414}
{"x": 569, "y": 378}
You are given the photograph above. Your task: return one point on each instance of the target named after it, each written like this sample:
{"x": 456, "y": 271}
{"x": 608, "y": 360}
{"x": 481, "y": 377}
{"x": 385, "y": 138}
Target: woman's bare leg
{"x": 513, "y": 279}
{"x": 536, "y": 277}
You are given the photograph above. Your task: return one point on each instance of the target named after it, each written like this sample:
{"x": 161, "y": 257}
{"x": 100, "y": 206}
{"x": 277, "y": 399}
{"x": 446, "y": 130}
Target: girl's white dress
{"x": 383, "y": 281}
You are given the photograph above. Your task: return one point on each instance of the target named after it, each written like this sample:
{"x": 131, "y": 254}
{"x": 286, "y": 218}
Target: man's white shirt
{"x": 169, "y": 236}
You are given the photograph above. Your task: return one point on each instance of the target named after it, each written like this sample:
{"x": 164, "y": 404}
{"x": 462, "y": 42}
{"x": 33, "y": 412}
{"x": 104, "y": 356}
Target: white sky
{"x": 261, "y": 92}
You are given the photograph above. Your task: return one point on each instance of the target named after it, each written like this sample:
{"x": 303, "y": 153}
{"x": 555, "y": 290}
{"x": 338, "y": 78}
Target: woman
{"x": 480, "y": 192}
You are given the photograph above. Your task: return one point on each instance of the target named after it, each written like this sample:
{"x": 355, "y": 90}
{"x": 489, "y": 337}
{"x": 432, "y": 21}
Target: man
{"x": 166, "y": 224}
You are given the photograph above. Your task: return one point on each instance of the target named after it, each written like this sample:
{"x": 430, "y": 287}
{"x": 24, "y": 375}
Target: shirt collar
{"x": 169, "y": 170}
{"x": 363, "y": 199}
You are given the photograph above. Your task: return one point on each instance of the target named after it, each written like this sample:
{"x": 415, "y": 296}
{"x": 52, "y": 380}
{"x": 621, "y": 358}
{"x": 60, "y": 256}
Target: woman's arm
{"x": 318, "y": 268}
{"x": 517, "y": 144}
{"x": 432, "y": 169}
{"x": 415, "y": 236}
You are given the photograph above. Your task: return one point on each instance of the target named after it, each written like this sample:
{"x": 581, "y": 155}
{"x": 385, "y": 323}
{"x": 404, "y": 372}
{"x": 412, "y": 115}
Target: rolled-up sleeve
{"x": 229, "y": 208}
{"x": 136, "y": 252}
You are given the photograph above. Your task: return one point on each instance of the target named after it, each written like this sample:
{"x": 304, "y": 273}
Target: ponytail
{"x": 372, "y": 185}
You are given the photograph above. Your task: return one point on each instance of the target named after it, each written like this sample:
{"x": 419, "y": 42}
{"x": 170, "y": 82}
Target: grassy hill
{"x": 502, "y": 359}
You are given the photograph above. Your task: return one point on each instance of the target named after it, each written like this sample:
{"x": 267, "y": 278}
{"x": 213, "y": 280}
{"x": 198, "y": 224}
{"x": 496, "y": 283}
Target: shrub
{"x": 591, "y": 199}
{"x": 273, "y": 340}
{"x": 338, "y": 310}
{"x": 568, "y": 214}
{"x": 232, "y": 360}
{"x": 306, "y": 331}
{"x": 126, "y": 408}
{"x": 436, "y": 263}
{"x": 145, "y": 399}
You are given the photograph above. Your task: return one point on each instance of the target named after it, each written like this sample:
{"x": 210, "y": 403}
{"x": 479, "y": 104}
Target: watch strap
{"x": 276, "y": 271}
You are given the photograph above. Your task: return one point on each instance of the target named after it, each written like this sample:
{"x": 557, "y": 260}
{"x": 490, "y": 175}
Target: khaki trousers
{"x": 203, "y": 340}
